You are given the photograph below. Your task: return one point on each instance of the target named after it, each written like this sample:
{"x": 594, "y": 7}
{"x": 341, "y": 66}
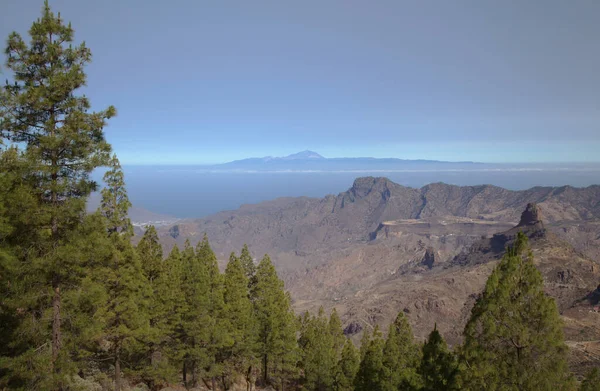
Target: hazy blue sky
{"x": 210, "y": 81}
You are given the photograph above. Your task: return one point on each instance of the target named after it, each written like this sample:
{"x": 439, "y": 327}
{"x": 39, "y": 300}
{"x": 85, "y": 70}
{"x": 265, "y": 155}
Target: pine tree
{"x": 438, "y": 367}
{"x": 171, "y": 305}
{"x": 277, "y": 327}
{"x": 63, "y": 142}
{"x": 239, "y": 357}
{"x": 514, "y": 338}
{"x": 364, "y": 343}
{"x": 150, "y": 253}
{"x": 20, "y": 330}
{"x": 337, "y": 333}
{"x": 19, "y": 205}
{"x": 347, "y": 367}
{"x": 591, "y": 381}
{"x": 370, "y": 375}
{"x": 248, "y": 265}
{"x": 319, "y": 356}
{"x": 115, "y": 204}
{"x": 400, "y": 357}
{"x": 216, "y": 328}
{"x": 123, "y": 314}
{"x": 16, "y": 204}
{"x": 194, "y": 289}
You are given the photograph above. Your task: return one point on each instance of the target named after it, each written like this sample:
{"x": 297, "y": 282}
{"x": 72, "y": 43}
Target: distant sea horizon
{"x": 191, "y": 191}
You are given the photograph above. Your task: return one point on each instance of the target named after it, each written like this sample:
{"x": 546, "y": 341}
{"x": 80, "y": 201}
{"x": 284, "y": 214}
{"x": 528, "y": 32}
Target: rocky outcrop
{"x": 530, "y": 224}
{"x": 531, "y": 216}
{"x": 593, "y": 297}
{"x": 429, "y": 258}
{"x": 352, "y": 328}
{"x": 488, "y": 249}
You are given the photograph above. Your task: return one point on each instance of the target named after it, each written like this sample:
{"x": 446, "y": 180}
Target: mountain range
{"x": 375, "y": 207}
{"x": 380, "y": 248}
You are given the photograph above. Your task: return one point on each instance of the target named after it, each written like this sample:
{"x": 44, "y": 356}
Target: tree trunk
{"x": 213, "y": 383}
{"x": 194, "y": 377}
{"x": 56, "y": 319}
{"x": 265, "y": 376}
{"x": 117, "y": 372}
{"x": 249, "y": 379}
{"x": 56, "y": 332}
{"x": 281, "y": 374}
{"x": 185, "y": 376}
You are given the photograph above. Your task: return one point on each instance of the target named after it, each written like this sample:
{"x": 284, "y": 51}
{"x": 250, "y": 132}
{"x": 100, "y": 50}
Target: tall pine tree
{"x": 63, "y": 142}
{"x": 400, "y": 357}
{"x": 277, "y": 345}
{"x": 514, "y": 338}
{"x": 239, "y": 356}
{"x": 150, "y": 253}
{"x": 364, "y": 343}
{"x": 25, "y": 342}
{"x": 438, "y": 368}
{"x": 370, "y": 375}
{"x": 168, "y": 305}
{"x": 215, "y": 325}
{"x": 192, "y": 335}
{"x": 122, "y": 311}
{"x": 248, "y": 264}
{"x": 319, "y": 354}
{"x": 347, "y": 367}
{"x": 337, "y": 333}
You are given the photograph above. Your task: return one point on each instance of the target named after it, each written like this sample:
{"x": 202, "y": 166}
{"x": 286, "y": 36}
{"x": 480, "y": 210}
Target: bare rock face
{"x": 531, "y": 224}
{"x": 531, "y": 216}
{"x": 353, "y": 328}
{"x": 429, "y": 258}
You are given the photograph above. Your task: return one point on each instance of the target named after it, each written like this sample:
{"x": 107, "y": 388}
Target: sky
{"x": 212, "y": 81}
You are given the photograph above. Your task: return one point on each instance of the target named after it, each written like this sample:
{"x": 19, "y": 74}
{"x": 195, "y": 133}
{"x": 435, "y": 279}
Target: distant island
{"x": 310, "y": 161}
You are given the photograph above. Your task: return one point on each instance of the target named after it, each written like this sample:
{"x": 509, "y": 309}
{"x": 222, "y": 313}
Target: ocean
{"x": 191, "y": 192}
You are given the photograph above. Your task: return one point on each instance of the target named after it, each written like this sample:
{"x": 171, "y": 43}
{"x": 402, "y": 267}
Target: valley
{"x": 380, "y": 248}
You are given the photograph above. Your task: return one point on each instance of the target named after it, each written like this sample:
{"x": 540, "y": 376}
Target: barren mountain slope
{"x": 444, "y": 294}
{"x": 302, "y": 230}
{"x": 380, "y": 248}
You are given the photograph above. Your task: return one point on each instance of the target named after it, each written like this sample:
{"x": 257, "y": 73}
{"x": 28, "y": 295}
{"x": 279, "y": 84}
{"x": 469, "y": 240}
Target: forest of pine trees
{"x": 81, "y": 308}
